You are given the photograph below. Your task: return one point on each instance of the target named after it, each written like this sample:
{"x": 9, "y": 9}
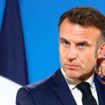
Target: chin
{"x": 73, "y": 76}
{"x": 76, "y": 75}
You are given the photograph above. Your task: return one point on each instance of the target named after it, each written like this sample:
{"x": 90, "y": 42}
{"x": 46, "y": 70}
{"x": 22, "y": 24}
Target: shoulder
{"x": 37, "y": 92}
{"x": 39, "y": 87}
{"x": 44, "y": 84}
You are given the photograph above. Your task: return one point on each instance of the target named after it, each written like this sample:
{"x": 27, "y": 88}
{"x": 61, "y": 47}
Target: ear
{"x": 101, "y": 51}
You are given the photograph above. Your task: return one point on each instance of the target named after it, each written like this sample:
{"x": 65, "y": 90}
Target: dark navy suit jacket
{"x": 53, "y": 91}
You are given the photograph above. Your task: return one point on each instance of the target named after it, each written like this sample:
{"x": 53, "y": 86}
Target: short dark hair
{"x": 85, "y": 16}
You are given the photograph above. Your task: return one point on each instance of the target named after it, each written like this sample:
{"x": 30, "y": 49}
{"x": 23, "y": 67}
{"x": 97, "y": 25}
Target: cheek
{"x": 62, "y": 53}
{"x": 92, "y": 56}
{"x": 62, "y": 57}
{"x": 88, "y": 61}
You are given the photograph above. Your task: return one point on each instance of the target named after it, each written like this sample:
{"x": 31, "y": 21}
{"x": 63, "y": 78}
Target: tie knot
{"x": 84, "y": 87}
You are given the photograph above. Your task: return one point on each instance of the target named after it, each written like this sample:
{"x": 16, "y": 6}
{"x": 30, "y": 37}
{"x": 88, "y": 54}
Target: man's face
{"x": 78, "y": 49}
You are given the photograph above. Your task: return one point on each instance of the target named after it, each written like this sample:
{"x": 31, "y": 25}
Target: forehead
{"x": 73, "y": 31}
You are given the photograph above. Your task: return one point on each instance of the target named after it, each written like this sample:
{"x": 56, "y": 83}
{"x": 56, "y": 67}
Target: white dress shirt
{"x": 77, "y": 94}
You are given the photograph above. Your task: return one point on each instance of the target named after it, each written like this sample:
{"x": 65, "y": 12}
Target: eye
{"x": 82, "y": 45}
{"x": 65, "y": 43}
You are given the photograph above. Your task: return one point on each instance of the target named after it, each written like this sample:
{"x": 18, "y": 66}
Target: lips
{"x": 71, "y": 66}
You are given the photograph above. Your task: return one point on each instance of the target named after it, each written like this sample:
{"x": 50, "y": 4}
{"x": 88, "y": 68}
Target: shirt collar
{"x": 75, "y": 82}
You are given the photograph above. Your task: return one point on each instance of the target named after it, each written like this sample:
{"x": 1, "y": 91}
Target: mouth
{"x": 72, "y": 66}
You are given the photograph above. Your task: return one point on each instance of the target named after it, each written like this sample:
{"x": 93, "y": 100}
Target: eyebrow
{"x": 77, "y": 42}
{"x": 63, "y": 39}
{"x": 83, "y": 42}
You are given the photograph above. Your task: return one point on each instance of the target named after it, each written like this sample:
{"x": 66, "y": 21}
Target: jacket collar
{"x": 62, "y": 90}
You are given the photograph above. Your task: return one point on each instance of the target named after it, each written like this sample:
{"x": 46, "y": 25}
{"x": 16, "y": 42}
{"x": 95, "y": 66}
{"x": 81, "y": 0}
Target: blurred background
{"x": 40, "y": 27}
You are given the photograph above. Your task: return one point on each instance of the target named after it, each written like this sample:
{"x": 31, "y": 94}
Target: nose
{"x": 72, "y": 53}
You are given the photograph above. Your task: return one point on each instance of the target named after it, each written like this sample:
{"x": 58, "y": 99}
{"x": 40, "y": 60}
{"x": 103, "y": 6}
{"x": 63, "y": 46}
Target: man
{"x": 81, "y": 45}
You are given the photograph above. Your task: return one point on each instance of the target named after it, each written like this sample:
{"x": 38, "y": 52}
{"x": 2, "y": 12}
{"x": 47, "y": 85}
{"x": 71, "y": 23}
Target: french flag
{"x": 13, "y": 66}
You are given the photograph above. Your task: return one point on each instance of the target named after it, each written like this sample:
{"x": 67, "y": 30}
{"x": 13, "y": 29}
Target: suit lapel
{"x": 62, "y": 90}
{"x": 100, "y": 90}
{"x": 64, "y": 94}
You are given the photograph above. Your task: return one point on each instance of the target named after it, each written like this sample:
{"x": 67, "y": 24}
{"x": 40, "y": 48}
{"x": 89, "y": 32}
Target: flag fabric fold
{"x": 12, "y": 51}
